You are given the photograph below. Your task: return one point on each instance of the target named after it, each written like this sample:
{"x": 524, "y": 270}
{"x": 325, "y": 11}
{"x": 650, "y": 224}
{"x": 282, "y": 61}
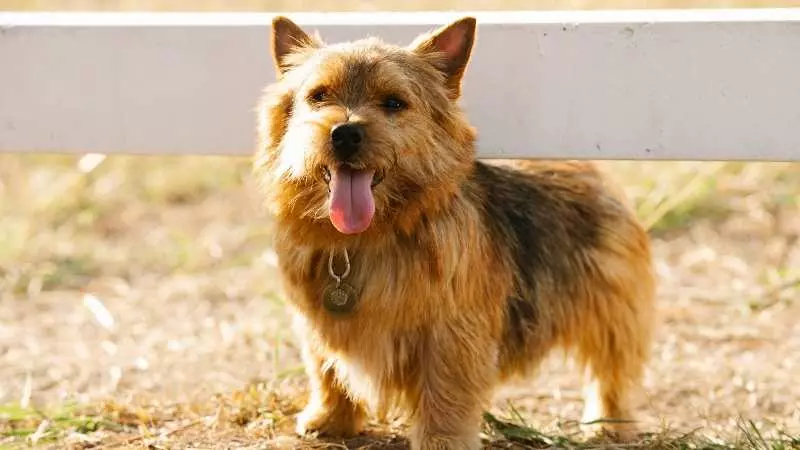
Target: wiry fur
{"x": 469, "y": 273}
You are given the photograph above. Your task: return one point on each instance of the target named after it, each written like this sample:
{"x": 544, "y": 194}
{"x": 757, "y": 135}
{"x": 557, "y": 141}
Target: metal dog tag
{"x": 339, "y": 298}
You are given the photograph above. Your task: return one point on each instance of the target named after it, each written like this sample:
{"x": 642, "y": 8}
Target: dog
{"x": 421, "y": 277}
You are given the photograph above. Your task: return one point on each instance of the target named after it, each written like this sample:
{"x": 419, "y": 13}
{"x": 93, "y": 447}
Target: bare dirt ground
{"x": 146, "y": 289}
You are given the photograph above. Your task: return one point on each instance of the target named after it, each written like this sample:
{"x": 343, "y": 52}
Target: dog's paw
{"x": 611, "y": 432}
{"x": 330, "y": 423}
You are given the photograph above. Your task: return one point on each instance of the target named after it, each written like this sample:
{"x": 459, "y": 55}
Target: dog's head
{"x": 363, "y": 137}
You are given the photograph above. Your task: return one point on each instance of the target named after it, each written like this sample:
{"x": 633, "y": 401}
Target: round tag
{"x": 339, "y": 299}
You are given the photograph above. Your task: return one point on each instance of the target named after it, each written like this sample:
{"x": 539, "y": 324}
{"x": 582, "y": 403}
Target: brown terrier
{"x": 420, "y": 277}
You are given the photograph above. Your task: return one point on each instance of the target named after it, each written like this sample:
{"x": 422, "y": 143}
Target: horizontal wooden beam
{"x": 677, "y": 84}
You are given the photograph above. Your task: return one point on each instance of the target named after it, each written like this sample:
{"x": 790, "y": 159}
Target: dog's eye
{"x": 318, "y": 96}
{"x": 394, "y": 104}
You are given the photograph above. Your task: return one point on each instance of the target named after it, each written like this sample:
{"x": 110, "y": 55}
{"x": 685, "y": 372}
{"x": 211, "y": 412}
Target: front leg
{"x": 458, "y": 369}
{"x": 330, "y": 412}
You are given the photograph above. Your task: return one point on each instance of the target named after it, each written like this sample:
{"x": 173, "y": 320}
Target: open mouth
{"x": 352, "y": 204}
{"x": 376, "y": 180}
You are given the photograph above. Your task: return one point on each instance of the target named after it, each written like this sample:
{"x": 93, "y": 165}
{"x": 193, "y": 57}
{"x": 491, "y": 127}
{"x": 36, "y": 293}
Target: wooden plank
{"x": 688, "y": 85}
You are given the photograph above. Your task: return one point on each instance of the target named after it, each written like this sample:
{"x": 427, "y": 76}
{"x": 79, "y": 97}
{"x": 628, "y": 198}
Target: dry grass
{"x": 139, "y": 306}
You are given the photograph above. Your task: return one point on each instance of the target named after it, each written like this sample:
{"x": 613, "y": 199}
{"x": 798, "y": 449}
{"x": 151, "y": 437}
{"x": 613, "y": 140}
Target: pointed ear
{"x": 287, "y": 38}
{"x": 453, "y": 44}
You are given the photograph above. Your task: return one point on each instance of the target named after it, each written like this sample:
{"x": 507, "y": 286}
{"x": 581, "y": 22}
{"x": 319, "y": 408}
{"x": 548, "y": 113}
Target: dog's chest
{"x": 385, "y": 287}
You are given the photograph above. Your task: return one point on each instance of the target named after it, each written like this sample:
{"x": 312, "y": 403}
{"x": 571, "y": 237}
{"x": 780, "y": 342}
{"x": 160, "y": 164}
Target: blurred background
{"x": 132, "y": 281}
{"x": 377, "y": 5}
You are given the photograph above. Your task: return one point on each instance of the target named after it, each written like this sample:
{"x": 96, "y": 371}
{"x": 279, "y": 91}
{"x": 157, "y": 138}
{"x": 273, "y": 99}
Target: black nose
{"x": 346, "y": 139}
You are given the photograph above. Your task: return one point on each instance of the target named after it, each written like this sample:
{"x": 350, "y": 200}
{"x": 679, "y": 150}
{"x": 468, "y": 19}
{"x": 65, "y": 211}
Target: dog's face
{"x": 364, "y": 136}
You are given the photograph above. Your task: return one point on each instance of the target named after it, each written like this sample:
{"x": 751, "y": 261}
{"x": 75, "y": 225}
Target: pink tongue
{"x": 352, "y": 205}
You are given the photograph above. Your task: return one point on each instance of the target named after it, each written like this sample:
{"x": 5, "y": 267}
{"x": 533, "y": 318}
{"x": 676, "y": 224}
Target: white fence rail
{"x": 691, "y": 85}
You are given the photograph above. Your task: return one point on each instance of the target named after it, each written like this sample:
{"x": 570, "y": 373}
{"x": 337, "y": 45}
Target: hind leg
{"x": 607, "y": 408}
{"x": 614, "y": 351}
{"x": 610, "y": 385}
